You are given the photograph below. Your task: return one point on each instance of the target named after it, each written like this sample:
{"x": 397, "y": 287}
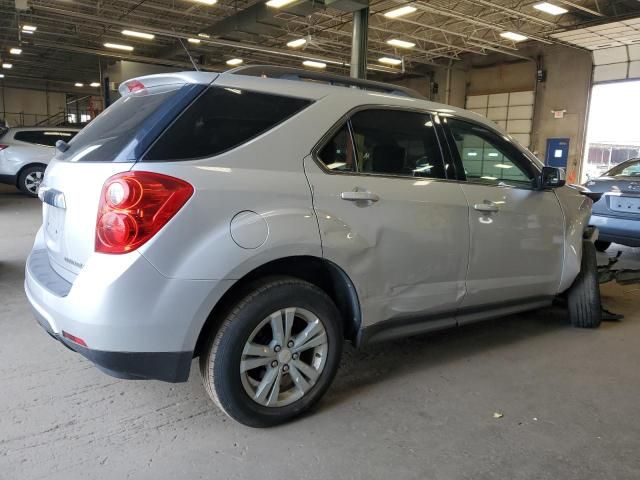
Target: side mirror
{"x": 552, "y": 177}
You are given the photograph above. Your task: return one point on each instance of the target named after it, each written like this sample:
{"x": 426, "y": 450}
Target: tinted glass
{"x": 47, "y": 138}
{"x": 106, "y": 137}
{"x": 338, "y": 154}
{"x": 390, "y": 142}
{"x": 221, "y": 119}
{"x": 488, "y": 158}
{"x": 627, "y": 169}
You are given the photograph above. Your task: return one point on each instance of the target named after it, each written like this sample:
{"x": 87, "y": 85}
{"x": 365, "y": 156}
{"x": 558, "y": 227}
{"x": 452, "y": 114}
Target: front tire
{"x": 275, "y": 354}
{"x": 583, "y": 297}
{"x": 30, "y": 178}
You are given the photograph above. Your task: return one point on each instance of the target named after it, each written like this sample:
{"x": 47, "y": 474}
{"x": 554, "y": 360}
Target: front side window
{"x": 488, "y": 158}
{"x": 221, "y": 119}
{"x": 385, "y": 142}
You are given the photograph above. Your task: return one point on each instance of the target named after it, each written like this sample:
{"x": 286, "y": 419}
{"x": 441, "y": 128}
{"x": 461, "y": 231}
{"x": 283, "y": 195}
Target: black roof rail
{"x": 287, "y": 73}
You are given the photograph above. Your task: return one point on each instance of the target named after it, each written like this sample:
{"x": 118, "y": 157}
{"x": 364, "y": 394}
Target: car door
{"x": 517, "y": 230}
{"x": 387, "y": 215}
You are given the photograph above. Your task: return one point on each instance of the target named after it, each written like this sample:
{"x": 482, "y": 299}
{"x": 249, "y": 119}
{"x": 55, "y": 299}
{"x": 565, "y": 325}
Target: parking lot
{"x": 425, "y": 407}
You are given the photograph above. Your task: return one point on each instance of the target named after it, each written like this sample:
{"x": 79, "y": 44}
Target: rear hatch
{"x": 111, "y": 144}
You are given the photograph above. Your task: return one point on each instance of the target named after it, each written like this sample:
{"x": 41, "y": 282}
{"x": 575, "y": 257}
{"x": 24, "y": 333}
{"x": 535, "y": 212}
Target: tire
{"x": 250, "y": 322}
{"x": 602, "y": 246}
{"x": 30, "y": 178}
{"x": 583, "y": 298}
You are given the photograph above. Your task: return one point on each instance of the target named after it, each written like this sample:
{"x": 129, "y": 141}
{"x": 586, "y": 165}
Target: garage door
{"x": 513, "y": 111}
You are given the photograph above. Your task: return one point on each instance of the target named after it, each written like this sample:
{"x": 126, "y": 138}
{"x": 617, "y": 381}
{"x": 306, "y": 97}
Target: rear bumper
{"x": 135, "y": 322}
{"x": 618, "y": 230}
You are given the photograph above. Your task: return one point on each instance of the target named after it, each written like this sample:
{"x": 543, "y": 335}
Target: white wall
{"x": 34, "y": 104}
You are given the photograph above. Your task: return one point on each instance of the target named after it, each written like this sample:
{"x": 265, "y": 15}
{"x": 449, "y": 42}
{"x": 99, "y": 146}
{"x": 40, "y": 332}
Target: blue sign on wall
{"x": 557, "y": 152}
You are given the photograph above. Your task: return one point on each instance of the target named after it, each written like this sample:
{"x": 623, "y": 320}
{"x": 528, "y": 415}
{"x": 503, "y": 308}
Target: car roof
{"x": 36, "y": 129}
{"x": 312, "y": 90}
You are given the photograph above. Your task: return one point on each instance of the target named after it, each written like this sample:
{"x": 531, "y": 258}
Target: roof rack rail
{"x": 287, "y": 73}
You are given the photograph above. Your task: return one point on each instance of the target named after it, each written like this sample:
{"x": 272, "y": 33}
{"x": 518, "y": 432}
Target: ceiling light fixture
{"x": 550, "y": 8}
{"x": 298, "y": 42}
{"x": 117, "y": 46}
{"x": 94, "y": 84}
{"x": 516, "y": 37}
{"x": 203, "y": 35}
{"x": 390, "y": 60}
{"x": 194, "y": 40}
{"x": 279, "y": 3}
{"x": 398, "y": 12}
{"x": 207, "y": 2}
{"x": 133, "y": 33}
{"x": 15, "y": 51}
{"x": 78, "y": 84}
{"x": 314, "y": 64}
{"x": 7, "y": 65}
{"x": 234, "y": 61}
{"x": 29, "y": 28}
{"x": 400, "y": 43}
{"x": 1, "y": 75}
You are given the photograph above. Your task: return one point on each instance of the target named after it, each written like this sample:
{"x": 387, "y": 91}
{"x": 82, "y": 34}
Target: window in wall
{"x": 488, "y": 158}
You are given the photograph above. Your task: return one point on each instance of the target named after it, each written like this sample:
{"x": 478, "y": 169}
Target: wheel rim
{"x": 32, "y": 181}
{"x": 284, "y": 357}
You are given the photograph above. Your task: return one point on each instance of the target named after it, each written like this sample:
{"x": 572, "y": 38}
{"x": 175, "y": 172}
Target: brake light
{"x": 3, "y": 146}
{"x": 74, "y": 339}
{"x": 135, "y": 86}
{"x": 134, "y": 206}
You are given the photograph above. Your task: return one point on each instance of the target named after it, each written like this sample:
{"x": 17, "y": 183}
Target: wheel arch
{"x": 320, "y": 272}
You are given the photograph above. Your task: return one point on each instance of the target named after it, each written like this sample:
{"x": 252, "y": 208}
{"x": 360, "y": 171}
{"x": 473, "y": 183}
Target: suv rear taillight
{"x": 3, "y": 146}
{"x": 134, "y": 206}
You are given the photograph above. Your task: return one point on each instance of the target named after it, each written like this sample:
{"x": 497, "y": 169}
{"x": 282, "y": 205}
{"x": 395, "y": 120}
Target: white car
{"x": 25, "y": 153}
{"x": 256, "y": 221}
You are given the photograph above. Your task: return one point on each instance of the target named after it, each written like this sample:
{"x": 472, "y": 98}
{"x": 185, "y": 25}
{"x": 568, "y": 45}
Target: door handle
{"x": 360, "y": 196}
{"x": 486, "y": 207}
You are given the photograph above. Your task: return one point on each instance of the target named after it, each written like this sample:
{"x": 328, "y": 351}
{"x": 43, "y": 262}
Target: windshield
{"x": 626, "y": 169}
{"x": 106, "y": 138}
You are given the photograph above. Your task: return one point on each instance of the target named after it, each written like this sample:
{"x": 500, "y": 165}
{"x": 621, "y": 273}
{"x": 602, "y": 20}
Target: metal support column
{"x": 359, "y": 43}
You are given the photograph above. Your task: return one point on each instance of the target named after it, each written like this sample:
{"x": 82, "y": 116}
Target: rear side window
{"x": 221, "y": 119}
{"x": 105, "y": 138}
{"x": 47, "y": 138}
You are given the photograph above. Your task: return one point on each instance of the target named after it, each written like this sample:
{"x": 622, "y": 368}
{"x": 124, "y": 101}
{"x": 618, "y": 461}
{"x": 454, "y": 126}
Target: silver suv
{"x": 25, "y": 153}
{"x": 257, "y": 220}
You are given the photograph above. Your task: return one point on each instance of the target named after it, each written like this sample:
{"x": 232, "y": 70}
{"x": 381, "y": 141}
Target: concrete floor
{"x": 412, "y": 409}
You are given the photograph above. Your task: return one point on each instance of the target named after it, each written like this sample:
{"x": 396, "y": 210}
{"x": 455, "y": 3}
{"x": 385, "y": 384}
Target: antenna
{"x": 195, "y": 66}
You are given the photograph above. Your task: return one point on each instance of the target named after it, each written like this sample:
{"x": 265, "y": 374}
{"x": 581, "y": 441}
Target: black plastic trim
{"x": 9, "y": 179}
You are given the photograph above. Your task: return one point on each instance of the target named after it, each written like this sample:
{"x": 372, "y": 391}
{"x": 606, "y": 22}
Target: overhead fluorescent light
{"x": 390, "y": 60}
{"x": 400, "y": 43}
{"x": 503, "y": 165}
{"x": 550, "y": 8}
{"x": 1, "y": 75}
{"x": 133, "y": 33}
{"x": 298, "y": 42}
{"x": 234, "y": 61}
{"x": 7, "y": 65}
{"x": 15, "y": 51}
{"x": 94, "y": 84}
{"x": 117, "y": 46}
{"x": 516, "y": 37}
{"x": 207, "y": 2}
{"x": 78, "y": 84}
{"x": 194, "y": 40}
{"x": 279, "y": 3}
{"x": 314, "y": 64}
{"x": 203, "y": 35}
{"x": 29, "y": 28}
{"x": 398, "y": 12}
{"x": 487, "y": 177}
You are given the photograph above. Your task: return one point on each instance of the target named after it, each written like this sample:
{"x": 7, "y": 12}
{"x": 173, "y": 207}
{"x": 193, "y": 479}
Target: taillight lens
{"x": 3, "y": 146}
{"x": 134, "y": 206}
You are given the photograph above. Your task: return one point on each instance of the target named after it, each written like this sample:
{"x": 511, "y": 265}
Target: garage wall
{"x": 33, "y": 104}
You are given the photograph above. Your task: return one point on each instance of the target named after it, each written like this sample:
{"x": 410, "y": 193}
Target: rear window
{"x": 47, "y": 138}
{"x": 107, "y": 137}
{"x": 221, "y": 119}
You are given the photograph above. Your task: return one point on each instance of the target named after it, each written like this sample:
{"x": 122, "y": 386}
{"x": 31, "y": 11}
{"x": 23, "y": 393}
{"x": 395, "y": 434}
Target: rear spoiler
{"x": 178, "y": 78}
